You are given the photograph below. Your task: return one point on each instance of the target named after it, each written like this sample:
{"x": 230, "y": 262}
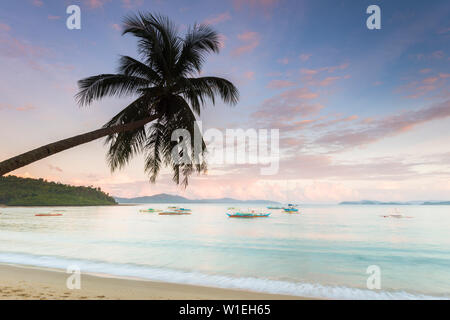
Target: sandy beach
{"x": 18, "y": 282}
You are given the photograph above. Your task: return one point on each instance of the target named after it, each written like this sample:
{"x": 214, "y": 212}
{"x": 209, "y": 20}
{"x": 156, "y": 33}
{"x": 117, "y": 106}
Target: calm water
{"x": 323, "y": 252}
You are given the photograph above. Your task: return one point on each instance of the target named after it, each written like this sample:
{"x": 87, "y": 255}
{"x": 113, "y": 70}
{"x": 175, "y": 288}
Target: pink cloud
{"x": 249, "y": 75}
{"x": 4, "y": 27}
{"x": 50, "y": 17}
{"x": 426, "y": 70}
{"x": 309, "y": 71}
{"x": 55, "y": 168}
{"x": 283, "y": 110}
{"x": 265, "y": 4}
{"x": 388, "y": 126}
{"x": 338, "y": 121}
{"x": 26, "y": 107}
{"x": 251, "y": 41}
{"x": 222, "y": 17}
{"x": 130, "y": 4}
{"x": 329, "y": 69}
{"x": 280, "y": 84}
{"x": 116, "y": 27}
{"x": 95, "y": 4}
{"x": 328, "y": 80}
{"x": 430, "y": 80}
{"x": 37, "y": 3}
{"x": 419, "y": 88}
{"x": 283, "y": 61}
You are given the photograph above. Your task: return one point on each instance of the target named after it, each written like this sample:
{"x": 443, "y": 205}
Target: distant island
{"x": 394, "y": 203}
{"x": 168, "y": 198}
{"x": 15, "y": 191}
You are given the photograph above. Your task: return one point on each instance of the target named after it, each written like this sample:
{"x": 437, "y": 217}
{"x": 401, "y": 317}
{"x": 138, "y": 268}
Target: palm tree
{"x": 170, "y": 94}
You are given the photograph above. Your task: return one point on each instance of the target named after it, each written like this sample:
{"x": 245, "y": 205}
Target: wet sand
{"x": 17, "y": 282}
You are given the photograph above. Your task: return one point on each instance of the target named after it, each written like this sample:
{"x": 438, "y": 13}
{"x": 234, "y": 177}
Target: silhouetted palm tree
{"x": 169, "y": 97}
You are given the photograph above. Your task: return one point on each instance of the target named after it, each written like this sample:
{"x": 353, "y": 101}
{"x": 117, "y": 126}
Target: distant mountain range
{"x": 407, "y": 203}
{"x": 168, "y": 198}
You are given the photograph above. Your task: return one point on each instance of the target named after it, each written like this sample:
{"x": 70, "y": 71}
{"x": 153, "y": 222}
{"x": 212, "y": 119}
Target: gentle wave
{"x": 196, "y": 278}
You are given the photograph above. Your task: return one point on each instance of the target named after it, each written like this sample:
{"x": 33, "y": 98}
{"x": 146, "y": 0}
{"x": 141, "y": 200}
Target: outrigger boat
{"x": 150, "y": 210}
{"x": 248, "y": 215}
{"x": 174, "y": 213}
{"x": 275, "y": 208}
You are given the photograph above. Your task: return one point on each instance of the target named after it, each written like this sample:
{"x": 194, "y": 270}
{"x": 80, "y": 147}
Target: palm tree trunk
{"x": 52, "y": 148}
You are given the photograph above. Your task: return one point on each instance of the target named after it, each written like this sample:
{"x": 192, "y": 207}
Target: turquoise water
{"x": 322, "y": 252}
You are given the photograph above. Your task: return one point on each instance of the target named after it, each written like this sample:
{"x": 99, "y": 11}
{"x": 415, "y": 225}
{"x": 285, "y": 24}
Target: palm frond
{"x": 198, "y": 42}
{"x": 132, "y": 67}
{"x": 118, "y": 85}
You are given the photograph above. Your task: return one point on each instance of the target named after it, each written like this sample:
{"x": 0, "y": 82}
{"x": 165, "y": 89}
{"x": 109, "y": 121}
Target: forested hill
{"x": 15, "y": 191}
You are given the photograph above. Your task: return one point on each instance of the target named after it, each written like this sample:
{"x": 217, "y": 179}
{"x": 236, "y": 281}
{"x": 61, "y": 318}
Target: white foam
{"x": 196, "y": 278}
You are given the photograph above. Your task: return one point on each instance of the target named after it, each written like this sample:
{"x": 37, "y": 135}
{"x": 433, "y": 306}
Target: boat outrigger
{"x": 290, "y": 210}
{"x": 174, "y": 213}
{"x": 48, "y": 214}
{"x": 274, "y": 208}
{"x": 150, "y": 210}
{"x": 251, "y": 214}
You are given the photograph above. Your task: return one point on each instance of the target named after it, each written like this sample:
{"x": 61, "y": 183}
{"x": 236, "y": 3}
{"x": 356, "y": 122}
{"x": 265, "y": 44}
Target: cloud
{"x": 325, "y": 191}
{"x": 419, "y": 88}
{"x": 439, "y": 54}
{"x": 283, "y": 110}
{"x": 116, "y": 27}
{"x": 4, "y": 27}
{"x": 329, "y": 69}
{"x": 265, "y": 4}
{"x": 329, "y": 80}
{"x": 14, "y": 48}
{"x": 283, "y": 61}
{"x": 130, "y": 4}
{"x": 311, "y": 75}
{"x": 222, "y": 17}
{"x": 280, "y": 84}
{"x": 50, "y": 17}
{"x": 95, "y": 4}
{"x": 250, "y": 40}
{"x": 55, "y": 168}
{"x": 425, "y": 70}
{"x": 385, "y": 127}
{"x": 23, "y": 108}
{"x": 37, "y": 3}
{"x": 249, "y": 75}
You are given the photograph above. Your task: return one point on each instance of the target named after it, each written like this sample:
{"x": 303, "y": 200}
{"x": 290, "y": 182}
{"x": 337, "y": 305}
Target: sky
{"x": 362, "y": 114}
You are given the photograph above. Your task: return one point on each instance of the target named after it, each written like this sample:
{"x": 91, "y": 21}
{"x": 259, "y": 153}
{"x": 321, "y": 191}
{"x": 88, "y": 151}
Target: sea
{"x": 325, "y": 251}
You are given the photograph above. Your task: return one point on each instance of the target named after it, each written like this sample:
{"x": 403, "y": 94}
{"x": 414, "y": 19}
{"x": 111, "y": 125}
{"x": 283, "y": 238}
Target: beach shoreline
{"x": 29, "y": 283}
